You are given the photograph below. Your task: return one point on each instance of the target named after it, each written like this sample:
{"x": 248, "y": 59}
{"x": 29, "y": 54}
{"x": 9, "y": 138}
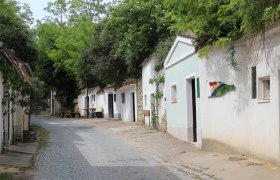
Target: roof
{"x": 174, "y": 56}
{"x": 146, "y": 60}
{"x": 26, "y": 65}
{"x": 24, "y": 68}
{"x": 7, "y": 55}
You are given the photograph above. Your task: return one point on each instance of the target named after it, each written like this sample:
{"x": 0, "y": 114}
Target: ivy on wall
{"x": 158, "y": 95}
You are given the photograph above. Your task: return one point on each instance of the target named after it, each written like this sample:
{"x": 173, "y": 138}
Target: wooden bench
{"x": 75, "y": 114}
{"x": 95, "y": 112}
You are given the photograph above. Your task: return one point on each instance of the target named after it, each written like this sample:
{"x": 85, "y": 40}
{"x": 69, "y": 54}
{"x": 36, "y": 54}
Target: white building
{"x": 126, "y": 100}
{"x": 108, "y": 101}
{"x": 102, "y": 99}
{"x": 149, "y": 90}
{"x": 14, "y": 117}
{"x": 244, "y": 121}
{"x": 182, "y": 92}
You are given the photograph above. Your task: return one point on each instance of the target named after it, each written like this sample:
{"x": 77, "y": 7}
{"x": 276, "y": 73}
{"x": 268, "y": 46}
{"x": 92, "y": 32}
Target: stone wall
{"x": 140, "y": 117}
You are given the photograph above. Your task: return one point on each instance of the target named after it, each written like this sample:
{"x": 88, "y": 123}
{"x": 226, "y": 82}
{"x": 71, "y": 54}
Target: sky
{"x": 37, "y": 8}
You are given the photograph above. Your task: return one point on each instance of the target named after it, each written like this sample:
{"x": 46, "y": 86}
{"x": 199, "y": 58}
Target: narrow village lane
{"x": 77, "y": 151}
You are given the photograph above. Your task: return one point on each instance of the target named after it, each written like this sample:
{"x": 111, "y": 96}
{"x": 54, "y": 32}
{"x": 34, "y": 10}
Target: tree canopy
{"x": 15, "y": 32}
{"x": 221, "y": 21}
{"x": 124, "y": 39}
{"x": 62, "y": 39}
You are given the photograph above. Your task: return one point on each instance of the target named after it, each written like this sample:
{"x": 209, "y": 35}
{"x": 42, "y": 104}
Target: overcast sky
{"x": 37, "y": 7}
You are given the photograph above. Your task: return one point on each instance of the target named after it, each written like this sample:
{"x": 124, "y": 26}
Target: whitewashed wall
{"x": 81, "y": 103}
{"x": 162, "y": 110}
{"x": 148, "y": 72}
{"x": 19, "y": 119}
{"x": 92, "y": 103}
{"x": 91, "y": 93}
{"x": 181, "y": 67}
{"x": 126, "y": 109}
{"x": 101, "y": 100}
{"x": 148, "y": 89}
{"x": 108, "y": 91}
{"x": 235, "y": 122}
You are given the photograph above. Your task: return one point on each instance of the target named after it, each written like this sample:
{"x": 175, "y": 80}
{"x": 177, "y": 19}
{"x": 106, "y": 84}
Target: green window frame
{"x": 197, "y": 88}
{"x": 254, "y": 82}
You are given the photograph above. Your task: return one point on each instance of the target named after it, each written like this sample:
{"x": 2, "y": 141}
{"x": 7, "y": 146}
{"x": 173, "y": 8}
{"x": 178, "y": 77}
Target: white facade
{"x": 81, "y": 103}
{"x": 149, "y": 90}
{"x": 92, "y": 93}
{"x": 99, "y": 99}
{"x": 109, "y": 103}
{"x": 237, "y": 122}
{"x": 127, "y": 103}
{"x": 182, "y": 92}
{"x": 94, "y": 100}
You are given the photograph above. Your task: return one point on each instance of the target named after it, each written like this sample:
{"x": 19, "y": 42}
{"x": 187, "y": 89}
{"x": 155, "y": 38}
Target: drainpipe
{"x": 4, "y": 136}
{"x": 13, "y": 124}
{"x": 7, "y": 97}
{"x": 9, "y": 111}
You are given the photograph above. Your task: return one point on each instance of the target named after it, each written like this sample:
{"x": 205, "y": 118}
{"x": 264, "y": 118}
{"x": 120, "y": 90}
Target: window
{"x": 93, "y": 97}
{"x": 173, "y": 94}
{"x": 254, "y": 82}
{"x": 123, "y": 97}
{"x": 115, "y": 97}
{"x": 264, "y": 88}
{"x": 145, "y": 100}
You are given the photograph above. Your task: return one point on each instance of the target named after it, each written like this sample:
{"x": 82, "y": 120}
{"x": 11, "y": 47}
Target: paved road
{"x": 84, "y": 152}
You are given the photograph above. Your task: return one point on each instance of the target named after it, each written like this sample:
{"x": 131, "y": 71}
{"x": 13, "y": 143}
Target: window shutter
{"x": 254, "y": 82}
{"x": 197, "y": 88}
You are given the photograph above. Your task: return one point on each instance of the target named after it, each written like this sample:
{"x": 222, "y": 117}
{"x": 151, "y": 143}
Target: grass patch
{"x": 43, "y": 136}
{"x": 6, "y": 176}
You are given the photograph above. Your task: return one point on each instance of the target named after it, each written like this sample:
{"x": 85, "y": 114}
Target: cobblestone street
{"x": 78, "y": 151}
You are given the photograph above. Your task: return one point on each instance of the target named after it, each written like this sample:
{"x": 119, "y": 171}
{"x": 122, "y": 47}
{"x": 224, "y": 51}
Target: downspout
{"x": 4, "y": 128}
{"x": 13, "y": 124}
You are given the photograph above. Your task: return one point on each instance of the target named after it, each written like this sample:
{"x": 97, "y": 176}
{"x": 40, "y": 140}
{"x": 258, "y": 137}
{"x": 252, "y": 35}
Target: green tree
{"x": 15, "y": 32}
{"x": 219, "y": 22}
{"x": 89, "y": 9}
{"x": 56, "y": 77}
{"x": 59, "y": 9}
{"x": 123, "y": 40}
{"x": 136, "y": 27}
{"x": 61, "y": 43}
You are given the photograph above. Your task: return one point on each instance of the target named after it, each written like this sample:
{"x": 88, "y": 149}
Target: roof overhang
{"x": 7, "y": 55}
